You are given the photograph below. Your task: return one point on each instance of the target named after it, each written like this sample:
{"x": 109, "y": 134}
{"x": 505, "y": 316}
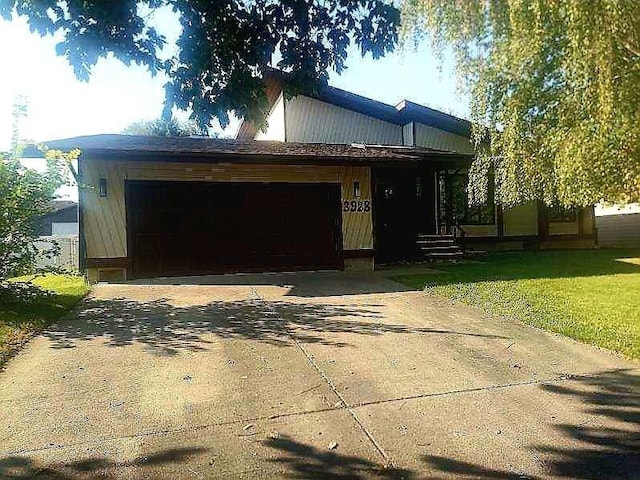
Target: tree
{"x": 25, "y": 195}
{"x": 163, "y": 127}
{"x": 556, "y": 87}
{"x": 225, "y": 47}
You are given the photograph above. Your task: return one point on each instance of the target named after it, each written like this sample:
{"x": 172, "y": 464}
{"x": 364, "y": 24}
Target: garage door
{"x": 192, "y": 228}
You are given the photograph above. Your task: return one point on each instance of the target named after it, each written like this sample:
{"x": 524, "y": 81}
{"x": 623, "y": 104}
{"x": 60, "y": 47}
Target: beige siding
{"x": 357, "y": 227}
{"x": 588, "y": 220}
{"x": 619, "y": 230}
{"x": 104, "y": 219}
{"x": 275, "y": 123}
{"x": 314, "y": 121}
{"x": 564, "y": 228}
{"x": 480, "y": 230}
{"x": 521, "y": 220}
{"x": 431, "y": 137}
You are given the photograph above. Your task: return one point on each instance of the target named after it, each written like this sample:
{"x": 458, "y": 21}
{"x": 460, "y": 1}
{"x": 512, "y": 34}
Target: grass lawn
{"x": 19, "y": 320}
{"x": 590, "y": 295}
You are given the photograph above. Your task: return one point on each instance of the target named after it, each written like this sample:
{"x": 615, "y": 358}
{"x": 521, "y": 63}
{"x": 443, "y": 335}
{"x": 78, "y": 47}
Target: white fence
{"x": 67, "y": 257}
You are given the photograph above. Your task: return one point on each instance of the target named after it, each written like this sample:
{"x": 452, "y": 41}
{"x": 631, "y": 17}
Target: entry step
{"x": 439, "y": 247}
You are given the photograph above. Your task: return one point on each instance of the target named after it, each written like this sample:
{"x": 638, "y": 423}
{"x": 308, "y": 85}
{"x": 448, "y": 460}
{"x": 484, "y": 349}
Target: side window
{"x": 561, "y": 214}
{"x": 471, "y": 215}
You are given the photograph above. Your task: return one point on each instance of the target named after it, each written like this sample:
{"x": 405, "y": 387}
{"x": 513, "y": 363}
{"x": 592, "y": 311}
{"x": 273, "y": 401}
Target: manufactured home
{"x": 334, "y": 181}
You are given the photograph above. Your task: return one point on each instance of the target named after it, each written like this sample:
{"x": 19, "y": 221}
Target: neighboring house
{"x": 59, "y": 227}
{"x": 337, "y": 181}
{"x": 618, "y": 226}
{"x": 62, "y": 220}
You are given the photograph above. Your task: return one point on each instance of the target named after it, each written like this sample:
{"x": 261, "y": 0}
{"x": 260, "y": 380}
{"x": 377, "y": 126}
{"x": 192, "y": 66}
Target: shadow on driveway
{"x": 17, "y": 467}
{"x": 167, "y": 329}
{"x": 604, "y": 452}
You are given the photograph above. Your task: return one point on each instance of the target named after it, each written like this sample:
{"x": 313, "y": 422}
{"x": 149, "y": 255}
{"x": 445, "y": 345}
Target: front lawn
{"x": 590, "y": 295}
{"x": 26, "y": 311}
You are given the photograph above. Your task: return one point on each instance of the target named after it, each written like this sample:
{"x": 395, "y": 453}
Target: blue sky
{"x": 60, "y": 106}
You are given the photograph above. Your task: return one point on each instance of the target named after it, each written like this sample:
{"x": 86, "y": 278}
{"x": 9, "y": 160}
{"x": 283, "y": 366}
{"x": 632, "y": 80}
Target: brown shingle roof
{"x": 210, "y": 149}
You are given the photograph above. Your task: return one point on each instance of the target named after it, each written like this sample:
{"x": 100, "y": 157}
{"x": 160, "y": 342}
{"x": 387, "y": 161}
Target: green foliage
{"x": 29, "y": 305}
{"x": 25, "y": 195}
{"x": 590, "y": 295}
{"x": 163, "y": 127}
{"x": 558, "y": 86}
{"x": 225, "y": 46}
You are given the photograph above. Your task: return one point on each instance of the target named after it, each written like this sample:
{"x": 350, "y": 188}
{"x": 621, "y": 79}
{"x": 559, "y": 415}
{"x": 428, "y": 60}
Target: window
{"x": 388, "y": 193}
{"x": 464, "y": 214}
{"x": 561, "y": 214}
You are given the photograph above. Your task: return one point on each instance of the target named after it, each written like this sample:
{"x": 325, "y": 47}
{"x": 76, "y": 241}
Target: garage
{"x": 194, "y": 228}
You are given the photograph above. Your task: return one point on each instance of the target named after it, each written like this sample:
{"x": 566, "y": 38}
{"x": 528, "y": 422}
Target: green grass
{"x": 21, "y": 318}
{"x": 590, "y": 295}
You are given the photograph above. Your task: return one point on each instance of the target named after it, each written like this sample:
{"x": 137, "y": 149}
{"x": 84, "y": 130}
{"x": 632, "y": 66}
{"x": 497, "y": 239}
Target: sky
{"x": 60, "y": 106}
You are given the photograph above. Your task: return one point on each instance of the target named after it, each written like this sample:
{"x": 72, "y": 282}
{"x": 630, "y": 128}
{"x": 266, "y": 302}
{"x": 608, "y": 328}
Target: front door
{"x": 396, "y": 207}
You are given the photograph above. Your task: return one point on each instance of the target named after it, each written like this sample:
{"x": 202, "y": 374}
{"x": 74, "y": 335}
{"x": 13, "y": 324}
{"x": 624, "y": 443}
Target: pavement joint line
{"x": 525, "y": 383}
{"x": 167, "y": 431}
{"x": 388, "y": 461}
{"x": 345, "y": 406}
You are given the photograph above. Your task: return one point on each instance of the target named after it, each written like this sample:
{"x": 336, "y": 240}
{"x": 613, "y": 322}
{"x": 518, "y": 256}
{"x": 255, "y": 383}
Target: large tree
{"x": 225, "y": 47}
{"x": 554, "y": 88}
{"x": 163, "y": 127}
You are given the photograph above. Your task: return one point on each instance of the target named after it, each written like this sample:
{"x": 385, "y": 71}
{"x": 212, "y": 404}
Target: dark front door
{"x": 396, "y": 210}
{"x": 191, "y": 228}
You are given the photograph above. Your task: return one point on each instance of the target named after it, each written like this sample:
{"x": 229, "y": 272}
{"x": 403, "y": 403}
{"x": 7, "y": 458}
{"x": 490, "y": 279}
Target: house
{"x": 336, "y": 181}
{"x": 62, "y": 220}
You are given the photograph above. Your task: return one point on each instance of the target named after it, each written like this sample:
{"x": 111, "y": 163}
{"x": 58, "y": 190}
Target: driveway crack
{"x": 389, "y": 463}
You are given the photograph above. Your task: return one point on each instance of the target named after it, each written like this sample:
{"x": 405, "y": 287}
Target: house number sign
{"x": 356, "y": 206}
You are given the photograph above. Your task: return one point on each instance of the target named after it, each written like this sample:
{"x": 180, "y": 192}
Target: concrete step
{"x": 440, "y": 248}
{"x": 425, "y": 236}
{"x": 445, "y": 255}
{"x": 436, "y": 243}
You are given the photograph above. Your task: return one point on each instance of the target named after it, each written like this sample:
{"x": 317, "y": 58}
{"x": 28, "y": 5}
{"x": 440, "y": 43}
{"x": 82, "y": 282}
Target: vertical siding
{"x": 275, "y": 123}
{"x": 431, "y": 137}
{"x": 104, "y": 219}
{"x": 407, "y": 135}
{"x": 313, "y": 121}
{"x": 357, "y": 227}
{"x": 521, "y": 220}
{"x": 588, "y": 220}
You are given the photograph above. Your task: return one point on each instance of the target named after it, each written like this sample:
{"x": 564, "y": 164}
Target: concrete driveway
{"x": 308, "y": 376}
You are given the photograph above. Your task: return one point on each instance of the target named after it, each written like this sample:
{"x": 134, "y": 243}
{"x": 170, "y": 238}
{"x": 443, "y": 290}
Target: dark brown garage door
{"x": 191, "y": 228}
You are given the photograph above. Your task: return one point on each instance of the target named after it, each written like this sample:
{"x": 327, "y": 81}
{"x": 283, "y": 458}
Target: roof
{"x": 403, "y": 113}
{"x": 254, "y": 151}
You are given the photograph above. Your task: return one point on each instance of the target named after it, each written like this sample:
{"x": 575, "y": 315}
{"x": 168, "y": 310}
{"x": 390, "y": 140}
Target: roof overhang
{"x": 200, "y": 150}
